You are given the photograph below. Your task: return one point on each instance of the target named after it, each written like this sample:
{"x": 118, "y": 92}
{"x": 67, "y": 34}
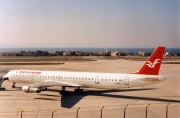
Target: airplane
{"x": 39, "y": 80}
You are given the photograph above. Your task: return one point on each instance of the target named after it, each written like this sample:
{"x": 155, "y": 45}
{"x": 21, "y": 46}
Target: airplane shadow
{"x": 14, "y": 89}
{"x": 2, "y": 89}
{"x": 68, "y": 101}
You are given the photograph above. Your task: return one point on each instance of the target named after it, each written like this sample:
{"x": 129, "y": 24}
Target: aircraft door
{"x": 126, "y": 80}
{"x": 97, "y": 79}
{"x": 12, "y": 76}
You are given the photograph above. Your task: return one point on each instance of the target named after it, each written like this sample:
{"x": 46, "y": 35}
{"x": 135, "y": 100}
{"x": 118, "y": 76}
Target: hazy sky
{"x": 89, "y": 23}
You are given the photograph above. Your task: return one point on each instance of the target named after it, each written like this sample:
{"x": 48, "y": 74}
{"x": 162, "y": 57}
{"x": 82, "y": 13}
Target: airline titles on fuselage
{"x": 30, "y": 72}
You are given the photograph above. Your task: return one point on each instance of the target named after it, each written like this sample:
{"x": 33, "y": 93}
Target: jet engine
{"x": 28, "y": 89}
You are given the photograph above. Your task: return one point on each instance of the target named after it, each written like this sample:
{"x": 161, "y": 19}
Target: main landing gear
{"x": 76, "y": 91}
{"x": 63, "y": 91}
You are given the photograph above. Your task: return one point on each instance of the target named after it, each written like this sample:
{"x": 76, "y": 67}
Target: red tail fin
{"x": 152, "y": 65}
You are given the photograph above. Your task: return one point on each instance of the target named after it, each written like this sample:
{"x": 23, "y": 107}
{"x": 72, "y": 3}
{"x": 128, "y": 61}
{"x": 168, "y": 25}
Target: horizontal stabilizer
{"x": 171, "y": 76}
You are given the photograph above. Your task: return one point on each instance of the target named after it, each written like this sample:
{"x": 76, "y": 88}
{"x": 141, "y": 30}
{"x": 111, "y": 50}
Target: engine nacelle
{"x": 28, "y": 89}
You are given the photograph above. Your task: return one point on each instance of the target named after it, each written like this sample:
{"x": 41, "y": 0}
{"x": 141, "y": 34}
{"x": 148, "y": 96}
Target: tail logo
{"x": 152, "y": 65}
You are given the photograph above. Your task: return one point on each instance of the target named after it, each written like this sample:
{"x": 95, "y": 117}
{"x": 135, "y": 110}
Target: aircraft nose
{"x": 6, "y": 77}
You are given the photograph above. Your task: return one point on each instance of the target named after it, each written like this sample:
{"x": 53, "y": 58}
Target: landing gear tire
{"x": 43, "y": 89}
{"x": 13, "y": 86}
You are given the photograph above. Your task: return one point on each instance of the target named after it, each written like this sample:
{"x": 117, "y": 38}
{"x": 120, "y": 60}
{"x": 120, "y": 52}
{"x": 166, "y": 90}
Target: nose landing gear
{"x": 13, "y": 86}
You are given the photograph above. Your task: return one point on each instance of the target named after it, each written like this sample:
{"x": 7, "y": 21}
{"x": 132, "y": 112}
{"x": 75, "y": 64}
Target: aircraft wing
{"x": 50, "y": 83}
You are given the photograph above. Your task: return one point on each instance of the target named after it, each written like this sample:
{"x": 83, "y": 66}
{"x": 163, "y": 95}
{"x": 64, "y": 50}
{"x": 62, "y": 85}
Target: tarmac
{"x": 161, "y": 100}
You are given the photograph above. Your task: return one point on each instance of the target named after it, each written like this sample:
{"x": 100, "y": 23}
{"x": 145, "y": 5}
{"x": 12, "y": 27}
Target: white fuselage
{"x": 84, "y": 79}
